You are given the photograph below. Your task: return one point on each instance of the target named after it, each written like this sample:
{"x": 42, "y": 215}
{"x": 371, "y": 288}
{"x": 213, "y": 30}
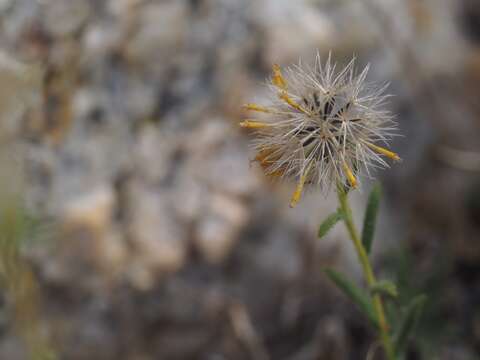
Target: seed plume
{"x": 322, "y": 126}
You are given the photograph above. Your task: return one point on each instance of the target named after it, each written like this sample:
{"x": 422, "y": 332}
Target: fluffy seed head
{"x": 322, "y": 126}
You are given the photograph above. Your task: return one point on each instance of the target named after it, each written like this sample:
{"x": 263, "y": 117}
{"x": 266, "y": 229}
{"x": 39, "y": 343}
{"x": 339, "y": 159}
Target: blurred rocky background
{"x": 159, "y": 240}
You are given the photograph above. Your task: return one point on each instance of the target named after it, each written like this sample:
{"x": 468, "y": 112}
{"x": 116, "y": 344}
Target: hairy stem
{"x": 368, "y": 273}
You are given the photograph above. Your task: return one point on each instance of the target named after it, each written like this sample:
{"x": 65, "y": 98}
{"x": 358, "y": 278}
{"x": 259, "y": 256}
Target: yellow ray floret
{"x": 285, "y": 97}
{"x": 383, "y": 151}
{"x": 252, "y": 124}
{"x": 350, "y": 177}
{"x": 259, "y": 108}
{"x": 278, "y": 80}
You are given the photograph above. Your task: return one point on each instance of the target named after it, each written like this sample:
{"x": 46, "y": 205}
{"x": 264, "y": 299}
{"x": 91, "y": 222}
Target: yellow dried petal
{"x": 350, "y": 177}
{"x": 284, "y": 96}
{"x": 266, "y": 157}
{"x": 383, "y": 151}
{"x": 299, "y": 189}
{"x": 255, "y": 107}
{"x": 298, "y": 192}
{"x": 252, "y": 124}
{"x": 278, "y": 80}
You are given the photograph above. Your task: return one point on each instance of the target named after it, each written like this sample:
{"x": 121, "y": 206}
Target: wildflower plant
{"x": 325, "y": 128}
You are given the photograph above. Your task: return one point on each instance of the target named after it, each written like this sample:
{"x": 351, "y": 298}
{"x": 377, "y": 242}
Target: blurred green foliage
{"x": 17, "y": 229}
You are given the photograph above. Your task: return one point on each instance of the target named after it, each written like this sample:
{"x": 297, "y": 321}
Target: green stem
{"x": 368, "y": 273}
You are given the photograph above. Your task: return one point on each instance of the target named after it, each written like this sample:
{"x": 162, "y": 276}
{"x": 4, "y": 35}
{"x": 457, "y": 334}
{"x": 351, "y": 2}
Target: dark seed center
{"x": 306, "y": 132}
{"x": 313, "y": 103}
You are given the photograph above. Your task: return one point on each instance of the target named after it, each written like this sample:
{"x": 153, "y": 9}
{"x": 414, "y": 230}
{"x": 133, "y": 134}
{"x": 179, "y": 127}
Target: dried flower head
{"x": 322, "y": 126}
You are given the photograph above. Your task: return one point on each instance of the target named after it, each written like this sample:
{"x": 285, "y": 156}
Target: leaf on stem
{"x": 371, "y": 217}
{"x": 329, "y": 223}
{"x": 412, "y": 314}
{"x": 357, "y": 295}
{"x": 384, "y": 288}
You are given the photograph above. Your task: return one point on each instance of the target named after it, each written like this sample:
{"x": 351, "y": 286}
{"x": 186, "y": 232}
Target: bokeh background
{"x": 151, "y": 236}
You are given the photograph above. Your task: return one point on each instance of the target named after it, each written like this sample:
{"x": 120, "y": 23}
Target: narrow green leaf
{"x": 370, "y": 219}
{"x": 329, "y": 223}
{"x": 357, "y": 295}
{"x": 384, "y": 287}
{"x": 410, "y": 319}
